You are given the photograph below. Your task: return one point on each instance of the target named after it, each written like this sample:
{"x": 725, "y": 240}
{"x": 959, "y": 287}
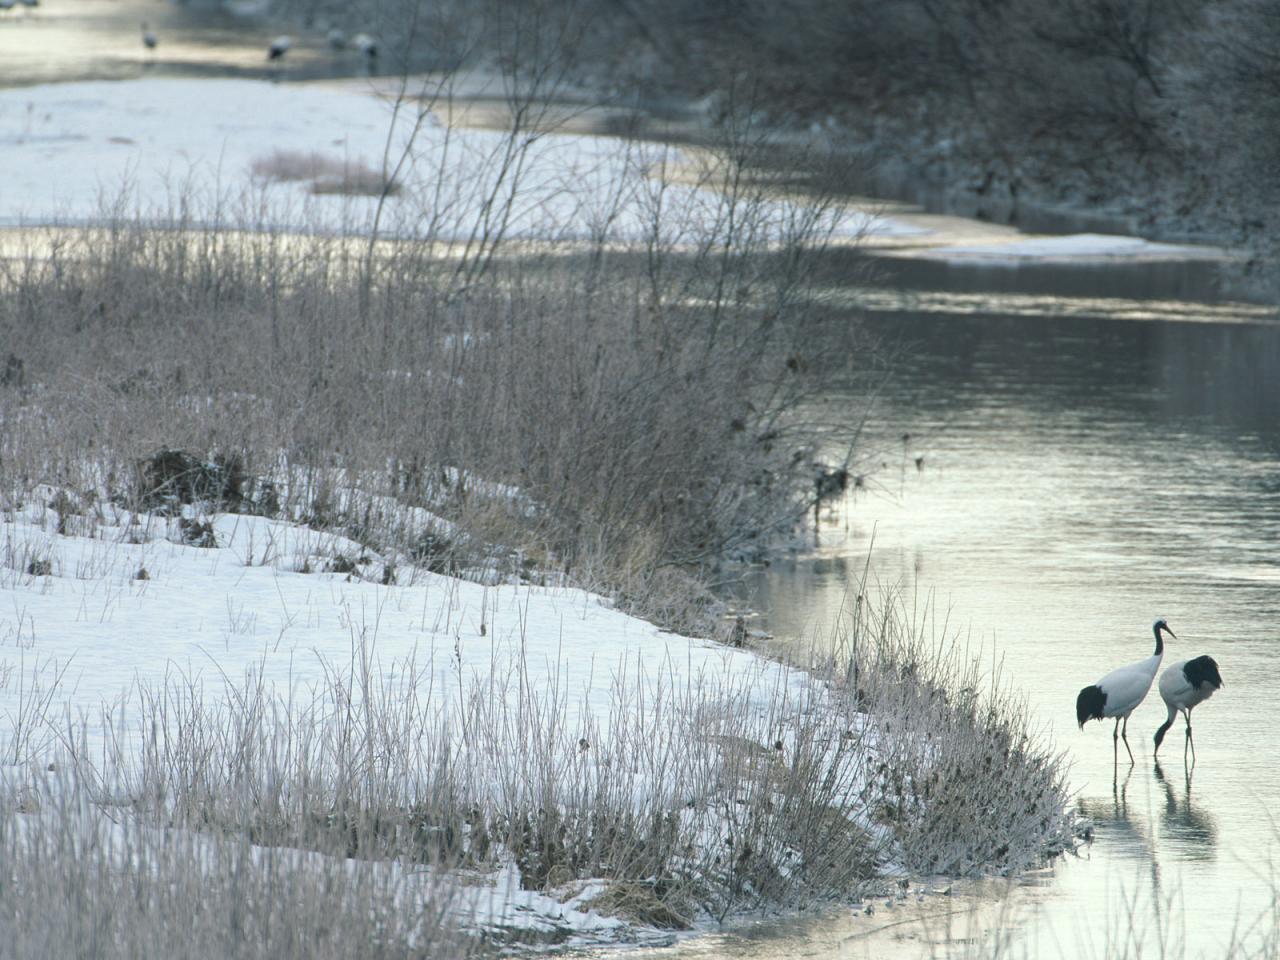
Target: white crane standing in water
{"x": 1120, "y": 691}
{"x": 1183, "y": 685}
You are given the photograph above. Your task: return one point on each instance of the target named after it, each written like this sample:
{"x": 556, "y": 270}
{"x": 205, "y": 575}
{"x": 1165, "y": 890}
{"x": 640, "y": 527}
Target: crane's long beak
{"x": 1171, "y": 633}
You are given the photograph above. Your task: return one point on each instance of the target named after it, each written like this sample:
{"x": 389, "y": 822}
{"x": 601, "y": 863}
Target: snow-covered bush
{"x": 963, "y": 782}
{"x": 607, "y": 412}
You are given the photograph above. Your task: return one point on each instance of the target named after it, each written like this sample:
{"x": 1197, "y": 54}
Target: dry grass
{"x": 703, "y": 800}
{"x": 635, "y": 416}
{"x": 965, "y": 785}
{"x": 328, "y": 175}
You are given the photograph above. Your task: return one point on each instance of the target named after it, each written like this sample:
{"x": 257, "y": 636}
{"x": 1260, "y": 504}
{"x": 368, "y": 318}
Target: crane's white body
{"x": 1183, "y": 685}
{"x": 1119, "y": 692}
{"x": 1126, "y": 687}
{"x": 1178, "y": 692}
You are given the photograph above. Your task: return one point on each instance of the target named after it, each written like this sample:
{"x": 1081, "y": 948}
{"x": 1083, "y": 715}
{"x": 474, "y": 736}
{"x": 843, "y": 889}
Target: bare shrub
{"x": 963, "y": 783}
{"x": 632, "y": 411}
{"x": 328, "y": 175}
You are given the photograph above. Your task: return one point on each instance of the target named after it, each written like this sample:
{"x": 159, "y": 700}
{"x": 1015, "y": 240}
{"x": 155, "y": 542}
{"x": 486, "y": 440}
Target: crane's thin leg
{"x": 1124, "y": 735}
{"x": 1190, "y": 741}
{"x": 1115, "y": 746}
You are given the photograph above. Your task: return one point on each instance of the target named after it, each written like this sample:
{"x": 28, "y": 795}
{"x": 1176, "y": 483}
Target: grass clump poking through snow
{"x": 963, "y": 782}
{"x": 88, "y": 880}
{"x": 699, "y": 797}
{"x": 325, "y": 174}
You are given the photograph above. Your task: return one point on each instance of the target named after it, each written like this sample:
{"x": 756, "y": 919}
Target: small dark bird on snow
{"x": 1120, "y": 691}
{"x": 279, "y": 47}
{"x": 149, "y": 38}
{"x": 1183, "y": 685}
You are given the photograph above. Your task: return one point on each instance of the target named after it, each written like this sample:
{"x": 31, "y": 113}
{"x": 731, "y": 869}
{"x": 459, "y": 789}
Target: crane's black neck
{"x": 1159, "y": 640}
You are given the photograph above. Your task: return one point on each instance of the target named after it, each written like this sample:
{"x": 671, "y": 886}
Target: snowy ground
{"x": 962, "y": 241}
{"x": 80, "y": 624}
{"x": 185, "y": 148}
{"x": 178, "y": 149}
{"x": 1071, "y": 248}
{"x": 78, "y": 621}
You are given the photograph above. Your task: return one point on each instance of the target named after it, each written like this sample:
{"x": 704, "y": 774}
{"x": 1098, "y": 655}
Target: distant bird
{"x": 1120, "y": 691}
{"x": 149, "y": 37}
{"x": 337, "y": 39}
{"x": 1183, "y": 685}
{"x": 279, "y": 47}
{"x": 365, "y": 44}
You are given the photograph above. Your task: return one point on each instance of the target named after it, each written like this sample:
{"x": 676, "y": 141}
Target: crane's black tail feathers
{"x": 1162, "y": 730}
{"x": 1089, "y": 704}
{"x": 1203, "y": 670}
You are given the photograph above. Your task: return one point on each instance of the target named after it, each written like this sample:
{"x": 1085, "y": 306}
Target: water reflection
{"x": 1115, "y": 825}
{"x": 1191, "y": 832}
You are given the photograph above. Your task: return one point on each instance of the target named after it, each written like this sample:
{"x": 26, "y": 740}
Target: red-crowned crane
{"x": 1183, "y": 685}
{"x": 279, "y": 47}
{"x": 1120, "y": 691}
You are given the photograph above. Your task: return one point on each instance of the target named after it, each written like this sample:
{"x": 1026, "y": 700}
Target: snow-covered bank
{"x": 224, "y": 672}
{"x": 183, "y": 149}
{"x": 176, "y": 150}
{"x": 100, "y": 618}
{"x": 1012, "y": 249}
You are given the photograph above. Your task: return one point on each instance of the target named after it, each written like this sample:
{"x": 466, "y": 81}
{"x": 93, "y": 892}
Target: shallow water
{"x": 73, "y": 40}
{"x": 1083, "y": 473}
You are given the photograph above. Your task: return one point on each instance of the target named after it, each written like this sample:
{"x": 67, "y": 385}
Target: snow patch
{"x": 1073, "y": 248}
{"x": 173, "y": 150}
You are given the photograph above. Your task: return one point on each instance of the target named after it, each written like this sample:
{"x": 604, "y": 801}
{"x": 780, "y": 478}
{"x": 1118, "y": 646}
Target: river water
{"x": 67, "y": 40}
{"x": 1090, "y": 462}
{"x": 1098, "y": 447}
